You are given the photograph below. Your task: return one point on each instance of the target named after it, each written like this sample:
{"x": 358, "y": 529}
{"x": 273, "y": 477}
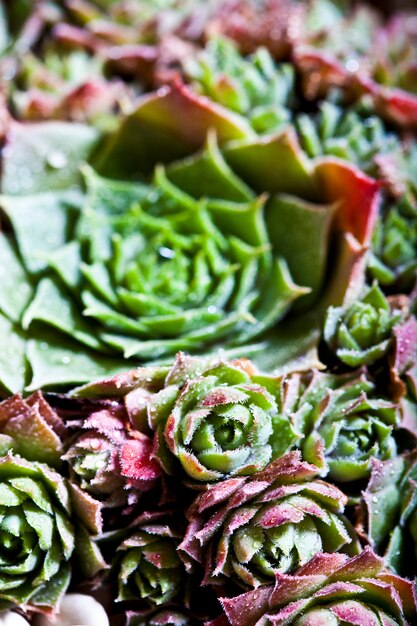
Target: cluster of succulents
{"x": 208, "y": 301}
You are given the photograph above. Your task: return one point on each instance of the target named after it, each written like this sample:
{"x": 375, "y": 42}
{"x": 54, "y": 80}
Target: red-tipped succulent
{"x": 248, "y": 529}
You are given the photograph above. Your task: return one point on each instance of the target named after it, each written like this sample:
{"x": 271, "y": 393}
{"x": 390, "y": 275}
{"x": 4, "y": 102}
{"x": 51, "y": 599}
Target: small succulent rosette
{"x": 389, "y": 514}
{"x": 147, "y": 565}
{"x": 330, "y": 589}
{"x": 342, "y": 422}
{"x": 361, "y": 333}
{"x": 248, "y": 529}
{"x": 110, "y": 459}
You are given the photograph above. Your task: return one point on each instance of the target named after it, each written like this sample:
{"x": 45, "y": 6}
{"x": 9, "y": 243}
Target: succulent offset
{"x": 208, "y": 313}
{"x": 342, "y": 424}
{"x": 147, "y": 564}
{"x": 330, "y": 589}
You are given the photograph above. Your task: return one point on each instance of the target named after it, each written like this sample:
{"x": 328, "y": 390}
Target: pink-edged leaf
{"x": 119, "y": 385}
{"x": 281, "y": 513}
{"x": 238, "y": 519}
{"x": 358, "y": 196}
{"x": 322, "y": 563}
{"x": 224, "y": 395}
{"x": 191, "y": 544}
{"x": 104, "y": 422}
{"x": 404, "y": 355}
{"x": 34, "y": 438}
{"x": 50, "y": 416}
{"x": 169, "y": 124}
{"x": 292, "y": 588}
{"x": 246, "y": 609}
{"x": 289, "y": 468}
{"x": 320, "y": 70}
{"x": 396, "y": 105}
{"x": 218, "y": 493}
{"x": 366, "y": 564}
{"x": 333, "y": 590}
{"x": 406, "y": 590}
{"x": 354, "y": 613}
{"x": 136, "y": 404}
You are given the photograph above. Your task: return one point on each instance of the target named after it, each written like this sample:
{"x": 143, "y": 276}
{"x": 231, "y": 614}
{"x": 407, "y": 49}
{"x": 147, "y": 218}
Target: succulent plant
{"x": 32, "y": 429}
{"x": 341, "y": 420}
{"x": 111, "y": 460}
{"x": 394, "y": 259}
{"x": 329, "y": 589}
{"x": 350, "y": 133}
{"x": 147, "y": 564}
{"x": 361, "y": 333}
{"x": 390, "y": 512}
{"x": 42, "y": 530}
{"x": 248, "y": 529}
{"x": 218, "y": 419}
{"x": 253, "y": 86}
{"x": 155, "y": 268}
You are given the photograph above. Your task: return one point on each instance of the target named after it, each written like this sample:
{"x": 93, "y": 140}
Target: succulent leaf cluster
{"x": 208, "y": 300}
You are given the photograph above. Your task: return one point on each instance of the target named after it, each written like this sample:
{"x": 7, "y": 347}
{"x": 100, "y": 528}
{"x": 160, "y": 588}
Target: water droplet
{"x": 66, "y": 360}
{"x": 375, "y": 499}
{"x": 352, "y": 65}
{"x": 166, "y": 253}
{"x": 57, "y": 159}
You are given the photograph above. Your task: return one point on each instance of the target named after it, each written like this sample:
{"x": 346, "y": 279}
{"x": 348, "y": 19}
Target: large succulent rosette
{"x": 330, "y": 589}
{"x": 248, "y": 529}
{"x": 196, "y": 258}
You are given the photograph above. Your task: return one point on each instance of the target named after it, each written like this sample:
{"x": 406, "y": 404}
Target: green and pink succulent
{"x": 332, "y": 589}
{"x": 249, "y": 529}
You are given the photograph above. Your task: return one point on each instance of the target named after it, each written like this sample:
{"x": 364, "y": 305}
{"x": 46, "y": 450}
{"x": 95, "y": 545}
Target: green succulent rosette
{"x": 342, "y": 421}
{"x": 253, "y": 86}
{"x": 361, "y": 333}
{"x": 352, "y": 133}
{"x": 330, "y": 589}
{"x": 147, "y": 565}
{"x": 390, "y": 512}
{"x": 393, "y": 256}
{"x": 197, "y": 258}
{"x": 248, "y": 529}
{"x": 42, "y": 532}
{"x": 218, "y": 419}
{"x": 393, "y": 262}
